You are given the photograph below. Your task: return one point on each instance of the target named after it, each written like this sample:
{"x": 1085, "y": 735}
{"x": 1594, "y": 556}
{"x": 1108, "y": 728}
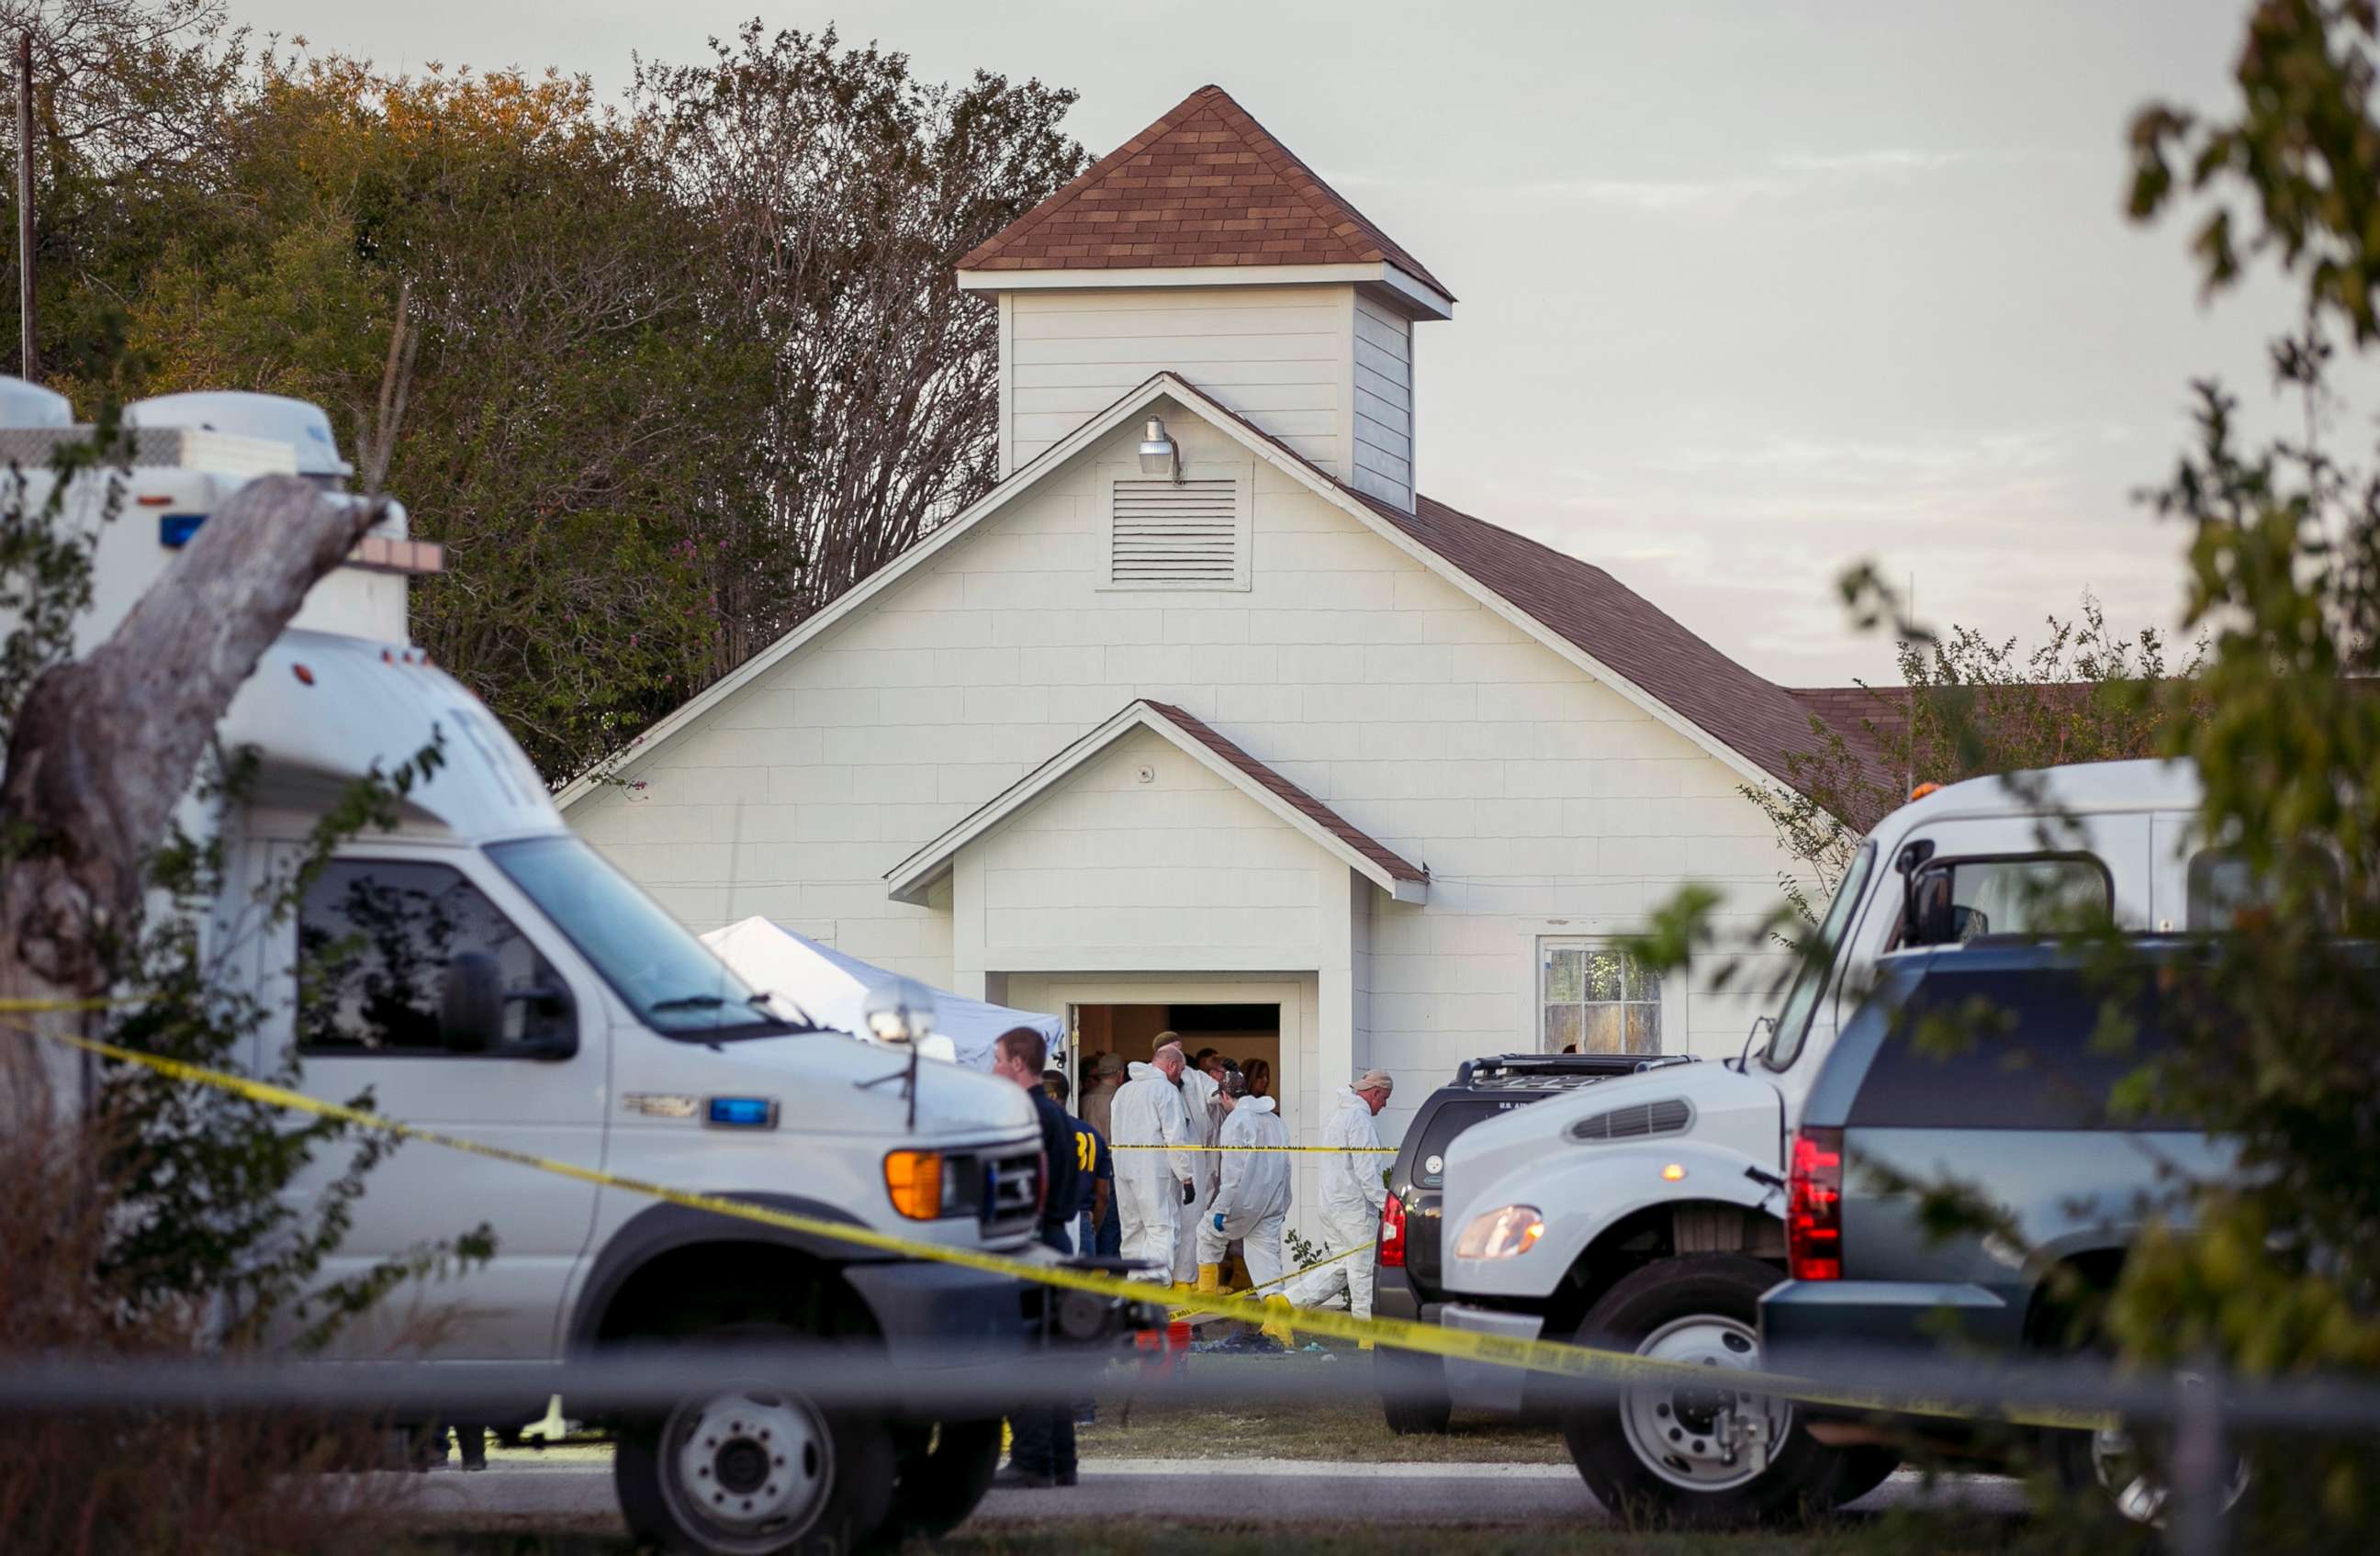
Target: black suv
{"x": 1406, "y": 1260}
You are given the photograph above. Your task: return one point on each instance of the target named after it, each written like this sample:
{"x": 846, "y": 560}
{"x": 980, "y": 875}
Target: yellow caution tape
{"x": 1557, "y": 1357}
{"x": 1333, "y": 1150}
{"x": 1198, "y": 1307}
{"x": 102, "y": 1002}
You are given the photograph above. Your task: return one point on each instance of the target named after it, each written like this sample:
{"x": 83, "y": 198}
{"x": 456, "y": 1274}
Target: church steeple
{"x": 1205, "y": 247}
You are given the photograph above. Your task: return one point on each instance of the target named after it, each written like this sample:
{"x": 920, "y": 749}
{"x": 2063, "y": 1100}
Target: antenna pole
{"x": 25, "y": 319}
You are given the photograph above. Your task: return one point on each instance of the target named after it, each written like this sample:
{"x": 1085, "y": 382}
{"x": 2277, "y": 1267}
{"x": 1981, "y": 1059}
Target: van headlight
{"x": 1502, "y": 1234}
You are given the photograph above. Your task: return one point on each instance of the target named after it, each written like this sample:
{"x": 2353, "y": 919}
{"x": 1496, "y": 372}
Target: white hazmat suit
{"x": 1353, "y": 1193}
{"x": 1253, "y": 1195}
{"x": 1198, "y": 1106}
{"x": 1147, "y": 1111}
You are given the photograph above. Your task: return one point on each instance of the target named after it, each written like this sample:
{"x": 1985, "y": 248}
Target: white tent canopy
{"x": 832, "y": 989}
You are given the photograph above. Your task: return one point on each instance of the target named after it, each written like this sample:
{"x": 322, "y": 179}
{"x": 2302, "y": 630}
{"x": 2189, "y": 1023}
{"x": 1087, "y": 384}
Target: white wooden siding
{"x": 1383, "y": 422}
{"x": 1541, "y": 802}
{"x": 1276, "y": 355}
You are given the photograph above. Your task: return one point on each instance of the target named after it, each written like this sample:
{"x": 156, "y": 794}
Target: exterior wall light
{"x": 1157, "y": 451}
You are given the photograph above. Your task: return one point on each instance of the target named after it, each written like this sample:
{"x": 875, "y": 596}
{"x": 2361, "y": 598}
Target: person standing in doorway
{"x": 1260, "y": 1079}
{"x": 1154, "y": 1183}
{"x": 1353, "y": 1193}
{"x": 1106, "y": 1074}
{"x": 1042, "y": 1452}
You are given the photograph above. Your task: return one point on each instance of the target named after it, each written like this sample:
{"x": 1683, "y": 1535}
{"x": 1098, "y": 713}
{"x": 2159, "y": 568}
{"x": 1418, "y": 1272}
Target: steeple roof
{"x": 1204, "y": 186}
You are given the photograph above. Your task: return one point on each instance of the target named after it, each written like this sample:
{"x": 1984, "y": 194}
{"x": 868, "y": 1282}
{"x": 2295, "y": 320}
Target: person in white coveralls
{"x": 1353, "y": 1193}
{"x": 1252, "y": 1198}
{"x": 1206, "y": 1122}
{"x": 1152, "y": 1187}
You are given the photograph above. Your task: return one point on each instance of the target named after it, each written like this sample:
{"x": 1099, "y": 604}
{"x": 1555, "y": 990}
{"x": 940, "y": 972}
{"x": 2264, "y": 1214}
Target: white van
{"x": 486, "y": 973}
{"x": 1647, "y": 1212}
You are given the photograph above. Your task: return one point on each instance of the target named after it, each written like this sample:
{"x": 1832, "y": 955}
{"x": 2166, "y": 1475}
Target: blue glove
{"x": 1219, "y": 1221}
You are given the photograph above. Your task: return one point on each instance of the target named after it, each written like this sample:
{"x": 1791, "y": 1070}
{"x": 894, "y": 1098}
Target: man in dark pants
{"x": 1042, "y": 1452}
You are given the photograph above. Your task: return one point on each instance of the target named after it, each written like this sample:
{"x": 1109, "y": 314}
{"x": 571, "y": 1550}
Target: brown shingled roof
{"x": 1299, "y": 799}
{"x": 1205, "y": 184}
{"x": 1614, "y": 625}
{"x": 1619, "y": 628}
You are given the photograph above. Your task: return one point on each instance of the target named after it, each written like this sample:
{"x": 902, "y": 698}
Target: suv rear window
{"x": 2030, "y": 1063}
{"x": 1451, "y": 1119}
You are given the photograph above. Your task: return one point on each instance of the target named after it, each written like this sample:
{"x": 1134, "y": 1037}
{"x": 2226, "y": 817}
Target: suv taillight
{"x": 1814, "y": 1207}
{"x": 1392, "y": 1233}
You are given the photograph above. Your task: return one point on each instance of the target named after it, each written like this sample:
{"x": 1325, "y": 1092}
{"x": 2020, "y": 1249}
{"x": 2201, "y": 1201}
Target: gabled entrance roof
{"x": 910, "y": 880}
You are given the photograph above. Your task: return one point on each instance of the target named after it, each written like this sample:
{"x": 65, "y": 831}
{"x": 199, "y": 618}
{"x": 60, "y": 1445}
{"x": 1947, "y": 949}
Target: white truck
{"x": 1647, "y": 1213}
{"x": 484, "y": 972}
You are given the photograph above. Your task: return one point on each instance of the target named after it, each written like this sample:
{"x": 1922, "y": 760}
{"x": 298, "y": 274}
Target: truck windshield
{"x": 1801, "y": 999}
{"x": 669, "y": 979}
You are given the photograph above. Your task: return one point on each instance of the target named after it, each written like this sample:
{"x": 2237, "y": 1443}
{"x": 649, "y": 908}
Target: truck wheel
{"x": 942, "y": 1481}
{"x": 1695, "y": 1455}
{"x": 761, "y": 1471}
{"x": 1412, "y": 1392}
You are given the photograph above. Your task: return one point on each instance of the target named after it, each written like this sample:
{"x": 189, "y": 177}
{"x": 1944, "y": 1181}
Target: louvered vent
{"x": 1166, "y": 535}
{"x": 1640, "y": 1121}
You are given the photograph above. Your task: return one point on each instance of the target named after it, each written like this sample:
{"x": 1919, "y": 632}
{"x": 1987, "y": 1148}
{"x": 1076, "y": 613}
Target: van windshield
{"x": 1801, "y": 999}
{"x": 669, "y": 979}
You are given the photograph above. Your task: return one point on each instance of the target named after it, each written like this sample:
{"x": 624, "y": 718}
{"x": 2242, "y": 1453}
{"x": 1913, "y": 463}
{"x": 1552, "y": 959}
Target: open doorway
{"x": 1248, "y": 1034}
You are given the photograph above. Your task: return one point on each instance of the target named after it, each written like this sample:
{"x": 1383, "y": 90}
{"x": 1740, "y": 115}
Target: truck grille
{"x": 1012, "y": 1192}
{"x": 1639, "y": 1121}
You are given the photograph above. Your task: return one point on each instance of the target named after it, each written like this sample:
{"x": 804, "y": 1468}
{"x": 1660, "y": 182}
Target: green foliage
{"x": 1968, "y": 705}
{"x": 45, "y": 556}
{"x": 196, "y": 1176}
{"x": 686, "y": 370}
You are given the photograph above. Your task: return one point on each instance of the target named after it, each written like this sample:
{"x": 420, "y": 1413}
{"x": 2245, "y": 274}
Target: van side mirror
{"x": 1933, "y": 918}
{"x": 471, "y": 1005}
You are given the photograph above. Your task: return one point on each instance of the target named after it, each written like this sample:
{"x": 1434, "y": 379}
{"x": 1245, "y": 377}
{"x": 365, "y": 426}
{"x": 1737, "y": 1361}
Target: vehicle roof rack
{"x": 1555, "y": 1072}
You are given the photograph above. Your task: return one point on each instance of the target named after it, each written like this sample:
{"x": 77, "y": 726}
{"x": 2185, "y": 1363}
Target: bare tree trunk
{"x": 105, "y": 748}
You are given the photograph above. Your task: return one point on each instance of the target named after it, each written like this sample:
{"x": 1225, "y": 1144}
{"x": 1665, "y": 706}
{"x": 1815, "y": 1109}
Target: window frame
{"x": 568, "y": 1001}
{"x": 1668, "y": 1005}
{"x": 1952, "y": 861}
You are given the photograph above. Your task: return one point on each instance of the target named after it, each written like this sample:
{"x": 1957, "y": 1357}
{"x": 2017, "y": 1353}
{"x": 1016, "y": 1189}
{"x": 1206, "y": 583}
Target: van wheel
{"x": 1412, "y": 1392}
{"x": 758, "y": 1471}
{"x": 1694, "y": 1454}
{"x": 942, "y": 1481}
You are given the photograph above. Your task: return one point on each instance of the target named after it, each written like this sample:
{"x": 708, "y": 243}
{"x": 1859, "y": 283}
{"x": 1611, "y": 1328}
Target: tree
{"x": 687, "y": 370}
{"x": 103, "y": 748}
{"x": 1970, "y": 705}
{"x": 840, "y": 192}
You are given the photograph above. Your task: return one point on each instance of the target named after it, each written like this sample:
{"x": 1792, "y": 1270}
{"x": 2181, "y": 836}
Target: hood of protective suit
{"x": 1137, "y": 1071}
{"x": 1254, "y": 1105}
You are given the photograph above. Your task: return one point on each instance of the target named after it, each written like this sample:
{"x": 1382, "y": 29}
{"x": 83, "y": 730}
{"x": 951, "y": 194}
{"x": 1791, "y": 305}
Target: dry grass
{"x": 1140, "y": 1425}
{"x": 143, "y": 1481}
{"x": 1892, "y": 1535}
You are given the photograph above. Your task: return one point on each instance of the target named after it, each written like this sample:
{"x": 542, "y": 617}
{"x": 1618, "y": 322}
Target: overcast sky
{"x": 1749, "y": 291}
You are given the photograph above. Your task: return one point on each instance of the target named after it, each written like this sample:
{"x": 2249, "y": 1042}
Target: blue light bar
{"x": 174, "y": 530}
{"x": 741, "y": 1113}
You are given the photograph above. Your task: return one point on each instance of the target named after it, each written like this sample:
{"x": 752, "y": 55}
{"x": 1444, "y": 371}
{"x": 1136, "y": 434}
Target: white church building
{"x": 1204, "y": 716}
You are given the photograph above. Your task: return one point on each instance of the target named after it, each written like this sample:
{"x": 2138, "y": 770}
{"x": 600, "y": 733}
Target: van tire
{"x": 1412, "y": 1392}
{"x": 851, "y": 1503}
{"x": 942, "y": 1482}
{"x": 1700, "y": 1299}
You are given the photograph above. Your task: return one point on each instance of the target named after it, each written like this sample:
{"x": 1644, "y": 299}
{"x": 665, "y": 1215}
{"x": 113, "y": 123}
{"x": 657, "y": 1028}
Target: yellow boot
{"x": 1279, "y": 1329}
{"x": 1210, "y": 1277}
